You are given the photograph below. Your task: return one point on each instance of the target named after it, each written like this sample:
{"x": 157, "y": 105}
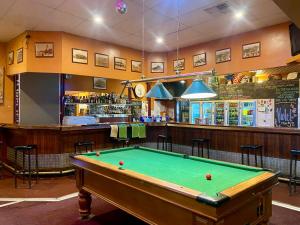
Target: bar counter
{"x": 56, "y": 142}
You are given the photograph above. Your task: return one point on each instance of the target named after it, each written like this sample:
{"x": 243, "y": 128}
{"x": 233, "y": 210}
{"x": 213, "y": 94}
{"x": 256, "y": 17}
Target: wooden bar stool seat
{"x": 293, "y": 179}
{"x": 252, "y": 149}
{"x": 86, "y": 145}
{"x": 26, "y": 150}
{"x": 164, "y": 140}
{"x": 201, "y": 142}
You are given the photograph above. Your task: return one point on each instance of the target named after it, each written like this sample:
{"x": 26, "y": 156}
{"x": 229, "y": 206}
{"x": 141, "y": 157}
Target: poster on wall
{"x": 1, "y": 85}
{"x": 265, "y": 113}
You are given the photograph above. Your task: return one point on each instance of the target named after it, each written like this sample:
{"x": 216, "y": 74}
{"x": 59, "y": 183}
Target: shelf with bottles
{"x": 94, "y": 98}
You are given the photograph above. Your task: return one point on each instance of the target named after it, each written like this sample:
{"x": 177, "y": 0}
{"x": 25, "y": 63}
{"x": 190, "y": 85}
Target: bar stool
{"x": 293, "y": 176}
{"x": 26, "y": 150}
{"x": 165, "y": 140}
{"x": 246, "y": 149}
{"x": 202, "y": 142}
{"x": 83, "y": 145}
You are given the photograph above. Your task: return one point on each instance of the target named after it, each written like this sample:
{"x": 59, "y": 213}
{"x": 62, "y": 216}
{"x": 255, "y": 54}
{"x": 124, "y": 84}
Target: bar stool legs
{"x": 247, "y": 149}
{"x": 27, "y": 150}
{"x": 293, "y": 171}
{"x": 201, "y": 142}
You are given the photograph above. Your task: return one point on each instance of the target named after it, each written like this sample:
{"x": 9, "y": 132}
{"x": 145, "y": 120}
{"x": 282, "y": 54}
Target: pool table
{"x": 166, "y": 188}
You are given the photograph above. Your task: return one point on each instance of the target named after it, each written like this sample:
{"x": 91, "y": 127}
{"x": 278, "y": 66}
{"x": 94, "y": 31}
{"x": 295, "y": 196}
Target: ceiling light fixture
{"x": 159, "y": 40}
{"x": 239, "y": 14}
{"x": 98, "y": 19}
{"x": 198, "y": 89}
{"x": 158, "y": 91}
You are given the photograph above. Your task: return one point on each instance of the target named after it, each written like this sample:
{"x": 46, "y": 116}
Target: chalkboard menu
{"x": 285, "y": 93}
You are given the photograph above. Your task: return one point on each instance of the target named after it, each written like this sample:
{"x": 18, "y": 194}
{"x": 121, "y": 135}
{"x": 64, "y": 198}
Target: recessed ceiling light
{"x": 98, "y": 19}
{"x": 159, "y": 40}
{"x": 239, "y": 14}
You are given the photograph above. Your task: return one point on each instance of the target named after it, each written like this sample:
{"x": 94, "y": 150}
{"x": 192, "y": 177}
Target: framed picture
{"x": 79, "y": 56}
{"x": 20, "y": 55}
{"x": 120, "y": 63}
{"x": 99, "y": 83}
{"x": 1, "y": 85}
{"x": 223, "y": 55}
{"x": 157, "y": 67}
{"x": 44, "y": 49}
{"x": 10, "y": 58}
{"x": 178, "y": 64}
{"x": 136, "y": 66}
{"x": 101, "y": 60}
{"x": 199, "y": 60}
{"x": 251, "y": 50}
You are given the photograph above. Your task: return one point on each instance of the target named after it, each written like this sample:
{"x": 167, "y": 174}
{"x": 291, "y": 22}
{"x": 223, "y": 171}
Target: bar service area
{"x": 150, "y": 112}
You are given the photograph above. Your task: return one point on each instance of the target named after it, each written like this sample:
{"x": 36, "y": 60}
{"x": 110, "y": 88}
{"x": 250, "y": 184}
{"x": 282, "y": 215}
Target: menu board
{"x": 286, "y": 105}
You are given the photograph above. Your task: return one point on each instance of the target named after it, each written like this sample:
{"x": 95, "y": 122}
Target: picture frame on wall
{"x": 223, "y": 55}
{"x": 20, "y": 55}
{"x": 199, "y": 60}
{"x": 120, "y": 63}
{"x": 99, "y": 83}
{"x": 10, "y": 59}
{"x": 1, "y": 85}
{"x": 251, "y": 50}
{"x": 44, "y": 49}
{"x": 157, "y": 67}
{"x": 101, "y": 60}
{"x": 178, "y": 64}
{"x": 79, "y": 56}
{"x": 136, "y": 66}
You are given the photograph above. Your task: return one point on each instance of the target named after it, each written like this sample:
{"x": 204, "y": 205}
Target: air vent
{"x": 222, "y": 8}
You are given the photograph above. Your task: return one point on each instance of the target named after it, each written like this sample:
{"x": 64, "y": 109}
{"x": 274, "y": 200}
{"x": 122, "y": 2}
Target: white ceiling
{"x": 196, "y": 25}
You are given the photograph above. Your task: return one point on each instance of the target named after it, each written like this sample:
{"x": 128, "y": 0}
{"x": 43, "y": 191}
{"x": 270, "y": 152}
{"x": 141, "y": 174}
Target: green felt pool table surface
{"x": 176, "y": 168}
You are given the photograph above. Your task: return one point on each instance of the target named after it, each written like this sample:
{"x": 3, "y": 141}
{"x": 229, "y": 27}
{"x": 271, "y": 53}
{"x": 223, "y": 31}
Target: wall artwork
{"x": 99, "y": 83}
{"x": 101, "y": 60}
{"x": 178, "y": 64}
{"x": 1, "y": 85}
{"x": 44, "y": 49}
{"x": 79, "y": 56}
{"x": 20, "y": 55}
{"x": 157, "y": 67}
{"x": 199, "y": 60}
{"x": 223, "y": 55}
{"x": 10, "y": 58}
{"x": 120, "y": 63}
{"x": 136, "y": 66}
{"x": 251, "y": 50}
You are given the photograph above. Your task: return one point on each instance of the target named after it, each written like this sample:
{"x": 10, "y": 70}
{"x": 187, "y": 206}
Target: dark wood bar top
{"x": 275, "y": 130}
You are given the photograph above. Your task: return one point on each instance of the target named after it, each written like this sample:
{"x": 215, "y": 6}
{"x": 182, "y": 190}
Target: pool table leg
{"x": 264, "y": 222}
{"x": 84, "y": 200}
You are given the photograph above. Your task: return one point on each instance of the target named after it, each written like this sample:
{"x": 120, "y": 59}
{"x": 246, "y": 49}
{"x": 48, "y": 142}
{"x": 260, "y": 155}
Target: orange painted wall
{"x": 85, "y": 83}
{"x": 275, "y": 50}
{"x": 14, "y": 45}
{"x": 6, "y": 109}
{"x": 48, "y": 65}
{"x": 71, "y": 41}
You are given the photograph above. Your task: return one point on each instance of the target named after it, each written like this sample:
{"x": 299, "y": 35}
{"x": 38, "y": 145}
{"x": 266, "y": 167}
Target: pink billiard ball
{"x": 121, "y": 163}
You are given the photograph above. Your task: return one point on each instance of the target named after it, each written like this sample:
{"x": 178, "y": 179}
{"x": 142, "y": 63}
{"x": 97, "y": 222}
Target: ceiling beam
{"x": 291, "y": 8}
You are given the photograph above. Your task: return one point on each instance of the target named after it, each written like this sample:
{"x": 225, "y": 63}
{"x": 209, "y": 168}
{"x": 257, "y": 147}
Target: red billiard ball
{"x": 97, "y": 153}
{"x": 121, "y": 163}
{"x": 208, "y": 176}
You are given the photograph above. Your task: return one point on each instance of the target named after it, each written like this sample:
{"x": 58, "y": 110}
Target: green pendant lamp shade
{"x": 198, "y": 89}
{"x": 159, "y": 92}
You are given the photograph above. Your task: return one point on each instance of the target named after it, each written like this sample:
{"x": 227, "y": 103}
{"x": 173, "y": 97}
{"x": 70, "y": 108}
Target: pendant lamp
{"x": 159, "y": 91}
{"x": 198, "y": 89}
